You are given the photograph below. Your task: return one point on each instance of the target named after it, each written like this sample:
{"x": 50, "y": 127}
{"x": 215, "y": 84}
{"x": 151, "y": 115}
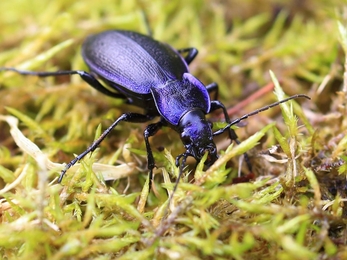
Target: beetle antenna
{"x": 183, "y": 163}
{"x": 181, "y": 166}
{"x": 220, "y": 131}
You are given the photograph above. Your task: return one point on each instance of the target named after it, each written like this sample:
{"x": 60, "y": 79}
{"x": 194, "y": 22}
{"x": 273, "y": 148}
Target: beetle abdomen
{"x": 132, "y": 60}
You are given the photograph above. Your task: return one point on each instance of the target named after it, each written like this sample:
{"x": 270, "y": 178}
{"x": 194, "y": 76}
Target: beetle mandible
{"x": 154, "y": 76}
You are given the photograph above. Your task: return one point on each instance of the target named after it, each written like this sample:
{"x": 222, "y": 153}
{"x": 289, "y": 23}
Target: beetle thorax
{"x": 196, "y": 135}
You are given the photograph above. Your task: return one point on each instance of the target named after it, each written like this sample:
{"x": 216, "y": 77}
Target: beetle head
{"x": 197, "y": 137}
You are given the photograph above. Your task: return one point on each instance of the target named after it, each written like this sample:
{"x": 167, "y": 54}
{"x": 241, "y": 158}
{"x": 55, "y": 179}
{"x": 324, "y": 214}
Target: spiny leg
{"x": 213, "y": 87}
{"x": 215, "y": 104}
{"x": 87, "y": 77}
{"x": 128, "y": 117}
{"x": 151, "y": 130}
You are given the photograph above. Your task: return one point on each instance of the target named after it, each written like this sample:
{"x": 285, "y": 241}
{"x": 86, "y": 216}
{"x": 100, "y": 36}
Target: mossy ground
{"x": 293, "y": 205}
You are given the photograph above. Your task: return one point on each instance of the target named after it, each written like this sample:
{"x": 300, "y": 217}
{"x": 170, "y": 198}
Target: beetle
{"x": 154, "y": 76}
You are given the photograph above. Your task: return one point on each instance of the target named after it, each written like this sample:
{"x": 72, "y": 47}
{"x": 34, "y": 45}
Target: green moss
{"x": 294, "y": 207}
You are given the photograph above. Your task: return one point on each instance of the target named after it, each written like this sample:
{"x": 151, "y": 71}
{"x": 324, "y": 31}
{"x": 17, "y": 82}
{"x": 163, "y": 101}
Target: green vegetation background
{"x": 293, "y": 206}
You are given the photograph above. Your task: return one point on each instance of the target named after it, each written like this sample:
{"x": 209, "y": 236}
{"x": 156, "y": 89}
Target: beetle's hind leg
{"x": 87, "y": 77}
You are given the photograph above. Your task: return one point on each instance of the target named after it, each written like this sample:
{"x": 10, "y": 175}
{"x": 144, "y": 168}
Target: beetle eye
{"x": 212, "y": 150}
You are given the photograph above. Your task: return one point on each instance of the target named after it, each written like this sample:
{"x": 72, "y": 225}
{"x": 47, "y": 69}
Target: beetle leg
{"x": 213, "y": 87}
{"x": 192, "y": 52}
{"x": 215, "y": 104}
{"x": 90, "y": 79}
{"x": 151, "y": 130}
{"x": 128, "y": 117}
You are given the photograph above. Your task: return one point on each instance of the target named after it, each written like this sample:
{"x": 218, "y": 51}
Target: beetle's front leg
{"x": 151, "y": 130}
{"x": 215, "y": 104}
{"x": 129, "y": 117}
{"x": 213, "y": 87}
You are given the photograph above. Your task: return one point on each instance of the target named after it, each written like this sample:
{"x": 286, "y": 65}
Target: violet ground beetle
{"x": 154, "y": 76}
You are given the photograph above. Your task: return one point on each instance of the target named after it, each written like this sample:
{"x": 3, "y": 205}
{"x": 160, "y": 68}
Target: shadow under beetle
{"x": 153, "y": 76}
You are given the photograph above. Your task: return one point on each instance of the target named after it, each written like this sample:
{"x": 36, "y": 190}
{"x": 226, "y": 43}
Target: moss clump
{"x": 293, "y": 204}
